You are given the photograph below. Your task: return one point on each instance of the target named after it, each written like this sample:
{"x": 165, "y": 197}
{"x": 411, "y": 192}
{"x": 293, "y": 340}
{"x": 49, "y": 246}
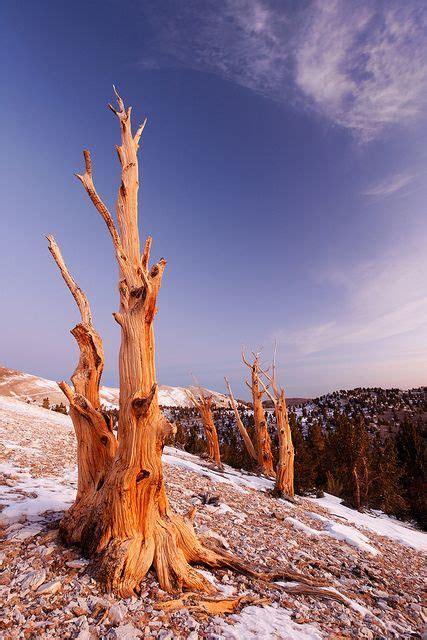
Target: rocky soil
{"x": 46, "y": 589}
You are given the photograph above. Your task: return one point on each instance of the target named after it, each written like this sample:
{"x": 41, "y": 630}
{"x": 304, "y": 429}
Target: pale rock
{"x": 25, "y": 532}
{"x": 76, "y": 564}
{"x": 50, "y": 587}
{"x": 116, "y": 613}
{"x": 33, "y": 580}
{"x": 213, "y": 535}
{"x": 125, "y": 632}
{"x": 82, "y": 623}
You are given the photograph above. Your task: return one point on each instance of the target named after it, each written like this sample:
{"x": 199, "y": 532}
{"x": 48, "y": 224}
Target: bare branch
{"x": 248, "y": 364}
{"x": 87, "y": 181}
{"x": 265, "y": 388}
{"x": 67, "y": 391}
{"x": 79, "y": 296}
{"x": 138, "y": 133}
{"x": 191, "y": 397}
{"x": 243, "y": 432}
{"x": 146, "y": 254}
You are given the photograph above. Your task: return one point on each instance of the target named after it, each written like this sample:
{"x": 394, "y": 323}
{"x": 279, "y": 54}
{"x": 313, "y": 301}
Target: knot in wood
{"x": 139, "y": 292}
{"x": 142, "y": 475}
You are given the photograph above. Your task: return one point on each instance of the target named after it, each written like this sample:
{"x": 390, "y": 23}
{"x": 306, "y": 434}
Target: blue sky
{"x": 283, "y": 178}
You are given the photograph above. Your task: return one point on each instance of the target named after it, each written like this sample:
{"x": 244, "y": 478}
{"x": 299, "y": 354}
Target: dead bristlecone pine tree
{"x": 284, "y": 484}
{"x": 121, "y": 517}
{"x": 242, "y": 429}
{"x": 262, "y": 437}
{"x": 203, "y": 404}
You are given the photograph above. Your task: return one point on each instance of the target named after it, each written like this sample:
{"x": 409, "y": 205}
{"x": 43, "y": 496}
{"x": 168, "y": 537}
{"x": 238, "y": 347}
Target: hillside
{"x": 28, "y": 387}
{"x": 384, "y": 410}
{"x": 374, "y": 562}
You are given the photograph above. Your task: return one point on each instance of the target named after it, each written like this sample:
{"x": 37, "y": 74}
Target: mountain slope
{"x": 28, "y": 387}
{"x": 373, "y": 561}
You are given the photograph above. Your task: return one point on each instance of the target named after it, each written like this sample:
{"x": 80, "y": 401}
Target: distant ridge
{"x": 28, "y": 387}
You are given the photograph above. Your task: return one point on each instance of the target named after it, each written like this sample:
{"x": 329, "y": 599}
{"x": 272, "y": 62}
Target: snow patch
{"x": 377, "y": 522}
{"x": 268, "y": 623}
{"x": 30, "y": 497}
{"x": 337, "y": 531}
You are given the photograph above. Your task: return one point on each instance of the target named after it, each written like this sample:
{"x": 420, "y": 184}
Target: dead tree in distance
{"x": 243, "y": 432}
{"x": 203, "y": 404}
{"x": 262, "y": 437}
{"x": 284, "y": 485}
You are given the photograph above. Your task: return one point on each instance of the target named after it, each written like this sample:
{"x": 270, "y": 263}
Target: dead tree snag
{"x": 121, "y": 517}
{"x": 284, "y": 485}
{"x": 243, "y": 432}
{"x": 262, "y": 437}
{"x": 203, "y": 404}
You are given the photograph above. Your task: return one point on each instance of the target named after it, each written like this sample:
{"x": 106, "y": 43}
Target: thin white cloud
{"x": 243, "y": 41}
{"x": 359, "y": 64}
{"x": 382, "y": 299}
{"x": 390, "y": 185}
{"x": 363, "y": 64}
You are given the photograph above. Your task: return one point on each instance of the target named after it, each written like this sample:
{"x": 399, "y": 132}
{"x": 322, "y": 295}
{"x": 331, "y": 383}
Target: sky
{"x": 283, "y": 177}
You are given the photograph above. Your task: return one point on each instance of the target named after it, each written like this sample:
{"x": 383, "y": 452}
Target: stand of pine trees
{"x": 345, "y": 458}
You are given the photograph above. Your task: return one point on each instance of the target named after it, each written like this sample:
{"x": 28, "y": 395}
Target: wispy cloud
{"x": 390, "y": 185}
{"x": 361, "y": 65}
{"x": 244, "y": 41}
{"x": 384, "y": 298}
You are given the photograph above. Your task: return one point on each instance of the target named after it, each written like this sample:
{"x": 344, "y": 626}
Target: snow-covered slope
{"x": 372, "y": 561}
{"x": 27, "y": 387}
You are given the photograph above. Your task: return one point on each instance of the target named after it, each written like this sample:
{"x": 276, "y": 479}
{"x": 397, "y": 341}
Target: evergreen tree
{"x": 305, "y": 472}
{"x": 411, "y": 451}
{"x": 388, "y": 487}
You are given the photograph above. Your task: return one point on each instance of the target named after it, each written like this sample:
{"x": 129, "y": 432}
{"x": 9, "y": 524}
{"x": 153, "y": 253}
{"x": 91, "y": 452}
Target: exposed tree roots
{"x": 173, "y": 547}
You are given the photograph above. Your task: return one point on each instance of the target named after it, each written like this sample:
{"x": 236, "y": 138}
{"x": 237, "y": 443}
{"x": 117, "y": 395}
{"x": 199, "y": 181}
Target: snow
{"x": 24, "y": 410}
{"x": 269, "y": 623}
{"x": 239, "y": 479}
{"x": 31, "y": 497}
{"x": 335, "y": 530}
{"x": 226, "y": 590}
{"x": 377, "y": 522}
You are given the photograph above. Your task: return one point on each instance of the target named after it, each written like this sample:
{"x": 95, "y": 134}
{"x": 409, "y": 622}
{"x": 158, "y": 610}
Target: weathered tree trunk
{"x": 262, "y": 437}
{"x": 243, "y": 432}
{"x": 204, "y": 406}
{"x": 96, "y": 444}
{"x": 284, "y": 485}
{"x": 121, "y": 517}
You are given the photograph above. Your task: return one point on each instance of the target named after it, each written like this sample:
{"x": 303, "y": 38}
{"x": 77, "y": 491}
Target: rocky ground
{"x": 46, "y": 589}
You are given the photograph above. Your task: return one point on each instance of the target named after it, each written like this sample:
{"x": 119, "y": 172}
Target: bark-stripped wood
{"x": 243, "y": 432}
{"x": 284, "y": 485}
{"x": 262, "y": 437}
{"x": 203, "y": 404}
{"x": 123, "y": 520}
{"x": 96, "y": 444}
